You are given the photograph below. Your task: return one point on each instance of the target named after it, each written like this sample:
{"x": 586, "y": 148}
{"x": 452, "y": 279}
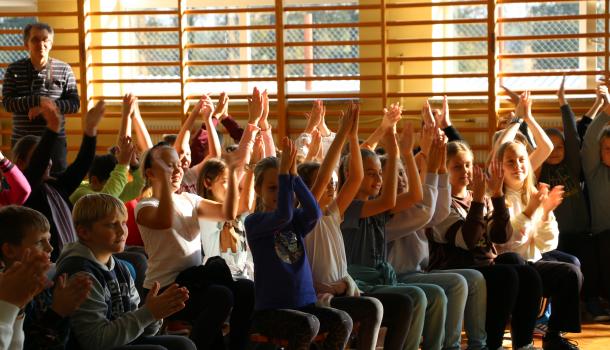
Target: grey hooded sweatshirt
{"x": 110, "y": 316}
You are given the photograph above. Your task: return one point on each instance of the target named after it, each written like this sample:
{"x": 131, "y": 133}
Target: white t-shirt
{"x": 173, "y": 250}
{"x": 239, "y": 262}
{"x": 325, "y": 248}
{"x": 189, "y": 180}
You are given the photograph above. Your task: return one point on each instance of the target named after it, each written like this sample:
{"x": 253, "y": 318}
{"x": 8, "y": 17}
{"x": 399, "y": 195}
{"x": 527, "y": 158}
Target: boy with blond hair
{"x": 110, "y": 317}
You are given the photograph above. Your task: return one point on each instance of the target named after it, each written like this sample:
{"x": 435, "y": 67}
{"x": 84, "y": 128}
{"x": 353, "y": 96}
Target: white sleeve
{"x": 443, "y": 200}
{"x": 11, "y": 327}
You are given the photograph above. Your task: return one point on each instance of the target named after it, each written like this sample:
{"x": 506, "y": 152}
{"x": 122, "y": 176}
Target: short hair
{"x": 17, "y": 221}
{"x": 38, "y": 25}
{"x": 102, "y": 166}
{"x": 306, "y": 171}
{"x": 23, "y": 146}
{"x": 211, "y": 169}
{"x": 170, "y": 139}
{"x": 92, "y": 208}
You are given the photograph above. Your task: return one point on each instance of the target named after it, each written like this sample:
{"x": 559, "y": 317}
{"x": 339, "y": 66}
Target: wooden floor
{"x": 594, "y": 336}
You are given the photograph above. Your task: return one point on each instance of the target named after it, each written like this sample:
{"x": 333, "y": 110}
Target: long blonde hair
{"x": 528, "y": 188}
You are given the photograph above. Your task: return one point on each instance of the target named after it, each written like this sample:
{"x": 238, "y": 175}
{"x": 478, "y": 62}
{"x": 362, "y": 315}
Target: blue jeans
{"x": 465, "y": 296}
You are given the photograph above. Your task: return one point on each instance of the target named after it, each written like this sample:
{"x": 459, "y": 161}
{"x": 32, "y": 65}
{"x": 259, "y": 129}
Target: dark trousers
{"x": 397, "y": 314}
{"x": 300, "y": 326}
{"x": 211, "y": 306}
{"x": 511, "y": 290}
{"x": 160, "y": 342}
{"x": 592, "y": 251}
{"x": 558, "y": 255}
{"x": 365, "y": 311}
{"x": 561, "y": 282}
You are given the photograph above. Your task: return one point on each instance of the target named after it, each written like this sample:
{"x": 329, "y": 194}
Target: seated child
{"x": 25, "y": 247}
{"x": 110, "y": 317}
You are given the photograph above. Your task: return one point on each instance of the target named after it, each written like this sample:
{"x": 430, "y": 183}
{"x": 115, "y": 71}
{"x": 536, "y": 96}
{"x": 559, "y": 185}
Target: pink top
{"x": 19, "y": 190}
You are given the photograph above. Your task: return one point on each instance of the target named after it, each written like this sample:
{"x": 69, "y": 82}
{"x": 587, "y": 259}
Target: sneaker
{"x": 557, "y": 342}
{"x": 598, "y": 314}
{"x": 540, "y": 330}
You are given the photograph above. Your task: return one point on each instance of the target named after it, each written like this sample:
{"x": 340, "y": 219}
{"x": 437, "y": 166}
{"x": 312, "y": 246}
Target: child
{"x": 325, "y": 248}
{"x": 535, "y": 232}
{"x": 467, "y": 240}
{"x": 170, "y": 230}
{"x": 18, "y": 285}
{"x": 19, "y": 188}
{"x": 285, "y": 296}
{"x": 46, "y": 317}
{"x": 464, "y": 289}
{"x": 50, "y": 195}
{"x": 595, "y": 155}
{"x": 110, "y": 317}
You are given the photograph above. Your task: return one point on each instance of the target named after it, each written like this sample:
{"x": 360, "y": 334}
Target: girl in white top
{"x": 170, "y": 230}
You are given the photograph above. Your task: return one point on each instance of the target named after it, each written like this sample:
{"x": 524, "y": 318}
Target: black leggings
{"x": 397, "y": 314}
{"x": 300, "y": 326}
{"x": 365, "y": 311}
{"x": 511, "y": 290}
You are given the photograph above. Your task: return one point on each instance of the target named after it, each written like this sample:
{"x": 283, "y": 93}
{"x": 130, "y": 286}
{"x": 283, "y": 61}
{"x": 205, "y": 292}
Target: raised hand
{"x": 258, "y": 150}
{"x": 167, "y": 303}
{"x": 255, "y": 107}
{"x": 93, "y": 117}
{"x": 495, "y": 178}
{"x": 353, "y": 133}
{"x": 427, "y": 116}
{"x": 443, "y": 120}
{"x": 264, "y": 123}
{"x": 314, "y": 147}
{"x": 442, "y": 168}
{"x": 222, "y": 108}
{"x": 434, "y": 156}
{"x": 561, "y": 93}
{"x": 288, "y": 157}
{"x": 602, "y": 92}
{"x": 427, "y": 135}
{"x": 126, "y": 150}
{"x": 391, "y": 116}
{"x": 129, "y": 104}
{"x": 70, "y": 293}
{"x": 524, "y": 107}
{"x": 347, "y": 121}
{"x": 514, "y": 97}
{"x": 23, "y": 280}
{"x": 389, "y": 142}
{"x": 478, "y": 184}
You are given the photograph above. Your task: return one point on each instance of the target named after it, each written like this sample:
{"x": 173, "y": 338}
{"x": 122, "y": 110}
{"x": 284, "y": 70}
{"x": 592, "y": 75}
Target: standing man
{"x": 30, "y": 81}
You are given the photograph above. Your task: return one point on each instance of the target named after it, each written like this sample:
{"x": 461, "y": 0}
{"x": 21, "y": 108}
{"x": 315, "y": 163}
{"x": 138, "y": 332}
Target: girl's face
{"x": 268, "y": 189}
{"x": 460, "y": 170}
{"x": 219, "y": 185}
{"x": 402, "y": 178}
{"x": 331, "y": 189}
{"x": 558, "y": 150}
{"x": 515, "y": 165}
{"x": 169, "y": 156}
{"x": 371, "y": 184}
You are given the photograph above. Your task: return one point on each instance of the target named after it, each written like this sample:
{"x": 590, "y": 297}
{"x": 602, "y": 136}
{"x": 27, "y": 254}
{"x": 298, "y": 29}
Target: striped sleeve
{"x": 69, "y": 102}
{"x": 16, "y": 96}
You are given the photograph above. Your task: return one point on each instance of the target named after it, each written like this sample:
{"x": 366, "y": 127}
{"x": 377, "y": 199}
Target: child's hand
{"x": 347, "y": 120}
{"x": 314, "y": 147}
{"x": 602, "y": 91}
{"x": 434, "y": 156}
{"x": 288, "y": 156}
{"x": 353, "y": 133}
{"x": 21, "y": 282}
{"x": 207, "y": 107}
{"x": 258, "y": 150}
{"x": 167, "y": 303}
{"x": 561, "y": 93}
{"x": 495, "y": 179}
{"x": 524, "y": 108}
{"x": 478, "y": 184}
{"x": 391, "y": 116}
{"x": 553, "y": 199}
{"x": 263, "y": 123}
{"x": 426, "y": 137}
{"x": 255, "y": 107}
{"x": 129, "y": 103}
{"x": 70, "y": 293}
{"x": 222, "y": 108}
{"x": 315, "y": 116}
{"x": 536, "y": 200}
{"x": 426, "y": 115}
{"x": 161, "y": 169}
{"x": 93, "y": 117}
{"x": 443, "y": 120}
{"x": 442, "y": 168}
{"x": 126, "y": 150}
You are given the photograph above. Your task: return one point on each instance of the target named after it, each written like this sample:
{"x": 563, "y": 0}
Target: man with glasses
{"x": 32, "y": 80}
